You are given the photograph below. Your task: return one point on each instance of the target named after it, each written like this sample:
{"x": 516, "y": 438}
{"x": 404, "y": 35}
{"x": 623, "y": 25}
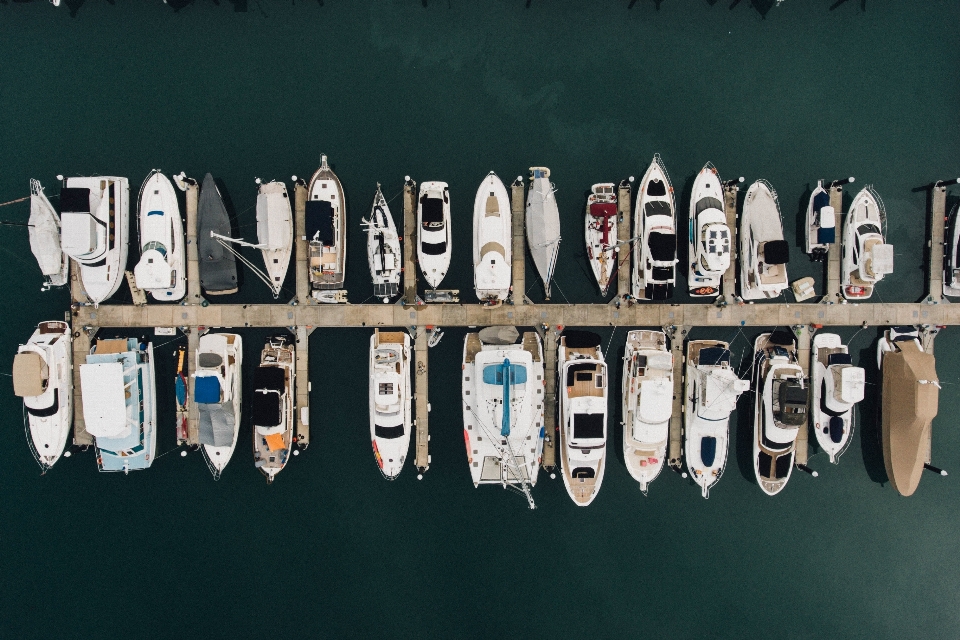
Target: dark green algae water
{"x": 450, "y": 91}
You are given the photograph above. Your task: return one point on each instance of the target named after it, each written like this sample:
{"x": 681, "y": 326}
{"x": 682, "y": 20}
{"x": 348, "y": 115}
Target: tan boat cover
{"x": 909, "y": 404}
{"x": 30, "y": 374}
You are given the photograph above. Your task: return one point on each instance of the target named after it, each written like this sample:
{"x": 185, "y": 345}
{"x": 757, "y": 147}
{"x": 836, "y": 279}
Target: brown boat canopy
{"x": 910, "y": 399}
{"x": 30, "y": 374}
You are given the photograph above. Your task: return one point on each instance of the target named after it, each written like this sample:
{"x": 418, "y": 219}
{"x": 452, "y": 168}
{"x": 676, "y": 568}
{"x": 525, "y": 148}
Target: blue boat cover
{"x": 319, "y": 221}
{"x": 207, "y": 390}
{"x": 493, "y": 373}
{"x": 820, "y": 201}
{"x": 836, "y": 429}
{"x": 826, "y": 236}
{"x": 708, "y": 450}
{"x": 154, "y": 213}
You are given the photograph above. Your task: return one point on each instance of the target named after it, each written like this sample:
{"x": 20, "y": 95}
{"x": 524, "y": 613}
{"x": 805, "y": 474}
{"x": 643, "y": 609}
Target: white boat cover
{"x": 273, "y": 221}
{"x": 153, "y": 271}
{"x": 79, "y": 233}
{"x": 720, "y": 388}
{"x": 880, "y": 261}
{"x": 543, "y": 227}
{"x": 45, "y": 236}
{"x": 104, "y": 400}
{"x": 852, "y": 382}
{"x": 30, "y": 374}
{"x": 656, "y": 401}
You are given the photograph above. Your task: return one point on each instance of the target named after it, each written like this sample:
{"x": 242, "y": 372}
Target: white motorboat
{"x": 710, "y": 250}
{"x": 647, "y": 404}
{"x": 95, "y": 230}
{"x": 600, "y": 230}
{"x": 162, "y": 268}
{"x": 503, "y": 398}
{"x": 383, "y": 249}
{"x": 325, "y": 212}
{"x": 44, "y": 232}
{"x": 119, "y": 391}
{"x": 582, "y": 385}
{"x": 780, "y": 408}
{"x": 763, "y": 251}
{"x": 866, "y": 259}
{"x": 951, "y": 271}
{"x": 273, "y": 417}
{"x": 543, "y": 225}
{"x": 711, "y": 394}
{"x": 274, "y": 232}
{"x": 43, "y": 377}
{"x": 836, "y": 385}
{"x": 391, "y": 420}
{"x": 654, "y": 222}
{"x": 434, "y": 239}
{"x": 821, "y": 226}
{"x": 217, "y": 392}
{"x": 492, "y": 241}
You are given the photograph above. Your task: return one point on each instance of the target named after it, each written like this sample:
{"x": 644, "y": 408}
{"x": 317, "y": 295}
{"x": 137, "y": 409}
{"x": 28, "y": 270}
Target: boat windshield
{"x": 433, "y": 248}
{"x": 155, "y": 246}
{"x": 388, "y": 433}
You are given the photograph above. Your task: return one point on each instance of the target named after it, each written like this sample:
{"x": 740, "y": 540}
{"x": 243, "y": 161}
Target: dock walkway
{"x": 518, "y": 249}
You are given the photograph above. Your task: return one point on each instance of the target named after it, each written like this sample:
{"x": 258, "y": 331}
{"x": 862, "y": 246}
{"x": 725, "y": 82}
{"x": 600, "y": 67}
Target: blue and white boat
{"x": 118, "y": 388}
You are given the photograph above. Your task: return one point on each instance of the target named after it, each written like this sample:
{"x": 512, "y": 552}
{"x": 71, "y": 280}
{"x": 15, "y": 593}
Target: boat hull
{"x": 707, "y": 217}
{"x": 761, "y": 223}
{"x": 275, "y": 232}
{"x": 160, "y": 223}
{"x": 492, "y": 241}
{"x": 383, "y": 250}
{"x": 389, "y": 362}
{"x": 326, "y": 229}
{"x": 542, "y": 225}
{"x": 218, "y": 266}
{"x": 434, "y": 237}
{"x": 655, "y": 224}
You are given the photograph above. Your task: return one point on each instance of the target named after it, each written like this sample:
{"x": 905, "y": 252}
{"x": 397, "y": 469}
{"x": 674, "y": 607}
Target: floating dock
{"x": 832, "y": 292}
{"x": 678, "y": 336}
{"x": 624, "y": 246}
{"x": 803, "y": 354}
{"x": 409, "y": 243}
{"x": 728, "y": 286}
{"x": 938, "y": 224}
{"x": 519, "y": 247}
{"x": 550, "y": 426}
{"x": 301, "y": 245}
{"x": 421, "y": 412}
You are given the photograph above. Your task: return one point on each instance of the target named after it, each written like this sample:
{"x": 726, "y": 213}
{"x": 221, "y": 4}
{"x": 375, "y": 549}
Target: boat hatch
{"x": 588, "y": 426}
{"x": 835, "y": 429}
{"x": 584, "y": 473}
{"x": 708, "y": 450}
{"x": 663, "y": 246}
{"x": 389, "y": 433}
{"x": 431, "y": 212}
{"x": 433, "y": 248}
{"x": 656, "y": 188}
{"x": 776, "y": 252}
{"x": 208, "y": 360}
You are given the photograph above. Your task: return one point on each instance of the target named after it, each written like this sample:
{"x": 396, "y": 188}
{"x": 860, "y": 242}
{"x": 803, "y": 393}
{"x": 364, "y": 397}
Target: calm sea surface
{"x": 450, "y": 91}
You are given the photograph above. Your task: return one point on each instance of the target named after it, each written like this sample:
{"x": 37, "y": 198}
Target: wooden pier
{"x": 194, "y": 295}
{"x": 803, "y": 354}
{"x": 518, "y": 249}
{"x": 409, "y": 244}
{"x": 728, "y": 287}
{"x": 678, "y": 336}
{"x": 549, "y": 337}
{"x": 938, "y": 223}
{"x": 302, "y": 387}
{"x": 832, "y": 293}
{"x": 421, "y": 412}
{"x": 301, "y": 244}
{"x": 624, "y": 246}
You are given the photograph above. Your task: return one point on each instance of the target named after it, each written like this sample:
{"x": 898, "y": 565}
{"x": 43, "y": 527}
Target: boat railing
{"x": 881, "y": 209}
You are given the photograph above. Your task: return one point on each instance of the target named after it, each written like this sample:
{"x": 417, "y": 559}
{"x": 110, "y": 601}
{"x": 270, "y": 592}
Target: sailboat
{"x": 836, "y": 386}
{"x": 821, "y": 227}
{"x": 543, "y": 225}
{"x": 763, "y": 251}
{"x": 162, "y": 268}
{"x": 43, "y": 377}
{"x": 866, "y": 259}
{"x": 600, "y": 231}
{"x": 709, "y": 256}
{"x": 503, "y": 399}
{"x": 217, "y": 392}
{"x": 780, "y": 408}
{"x": 326, "y": 211}
{"x": 492, "y": 241}
{"x": 647, "y": 397}
{"x": 119, "y": 392}
{"x": 711, "y": 394}
{"x": 434, "y": 238}
{"x": 391, "y": 418}
{"x": 273, "y": 418}
{"x": 218, "y": 266}
{"x": 655, "y": 255}
{"x": 582, "y": 384}
{"x": 44, "y": 232}
{"x": 95, "y": 230}
{"x": 383, "y": 249}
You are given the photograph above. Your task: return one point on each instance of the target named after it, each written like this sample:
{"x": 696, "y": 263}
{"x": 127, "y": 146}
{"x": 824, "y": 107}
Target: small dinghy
{"x": 391, "y": 419}
{"x": 274, "y": 232}
{"x": 326, "y": 227}
{"x": 543, "y": 225}
{"x": 866, "y": 259}
{"x": 654, "y": 222}
{"x": 162, "y": 267}
{"x": 383, "y": 249}
{"x": 836, "y": 386}
{"x": 434, "y": 239}
{"x": 709, "y": 256}
{"x": 217, "y": 394}
{"x": 273, "y": 418}
{"x": 951, "y": 271}
{"x": 43, "y": 377}
{"x": 44, "y": 231}
{"x": 711, "y": 394}
{"x": 821, "y": 227}
{"x": 647, "y": 404}
{"x": 763, "y": 251}
{"x": 492, "y": 241}
{"x": 95, "y": 230}
{"x": 218, "y": 266}
{"x": 600, "y": 230}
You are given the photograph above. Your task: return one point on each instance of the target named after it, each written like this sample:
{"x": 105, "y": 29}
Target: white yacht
{"x": 866, "y": 259}
{"x": 711, "y": 394}
{"x": 383, "y": 249}
{"x": 119, "y": 391}
{"x": 647, "y": 404}
{"x": 543, "y": 225}
{"x": 434, "y": 238}
{"x": 274, "y": 232}
{"x": 655, "y": 223}
{"x": 821, "y": 226}
{"x": 780, "y": 408}
{"x": 582, "y": 385}
{"x": 710, "y": 251}
{"x": 836, "y": 385}
{"x": 44, "y": 232}
{"x": 325, "y": 212}
{"x": 600, "y": 231}
{"x": 273, "y": 418}
{"x": 391, "y": 419}
{"x": 95, "y": 230}
{"x": 43, "y": 377}
{"x": 217, "y": 392}
{"x": 951, "y": 271}
{"x": 503, "y": 398}
{"x": 162, "y": 268}
{"x": 763, "y": 251}
{"x": 492, "y": 241}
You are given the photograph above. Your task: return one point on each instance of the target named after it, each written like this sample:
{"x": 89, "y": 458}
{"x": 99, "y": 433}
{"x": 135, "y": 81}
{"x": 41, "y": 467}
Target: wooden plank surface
{"x": 519, "y": 256}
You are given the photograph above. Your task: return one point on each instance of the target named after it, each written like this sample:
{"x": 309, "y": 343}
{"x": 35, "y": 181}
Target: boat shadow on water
{"x": 868, "y": 418}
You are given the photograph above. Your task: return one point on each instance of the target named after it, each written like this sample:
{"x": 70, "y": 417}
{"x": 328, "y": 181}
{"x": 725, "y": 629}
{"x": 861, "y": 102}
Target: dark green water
{"x": 449, "y": 92}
